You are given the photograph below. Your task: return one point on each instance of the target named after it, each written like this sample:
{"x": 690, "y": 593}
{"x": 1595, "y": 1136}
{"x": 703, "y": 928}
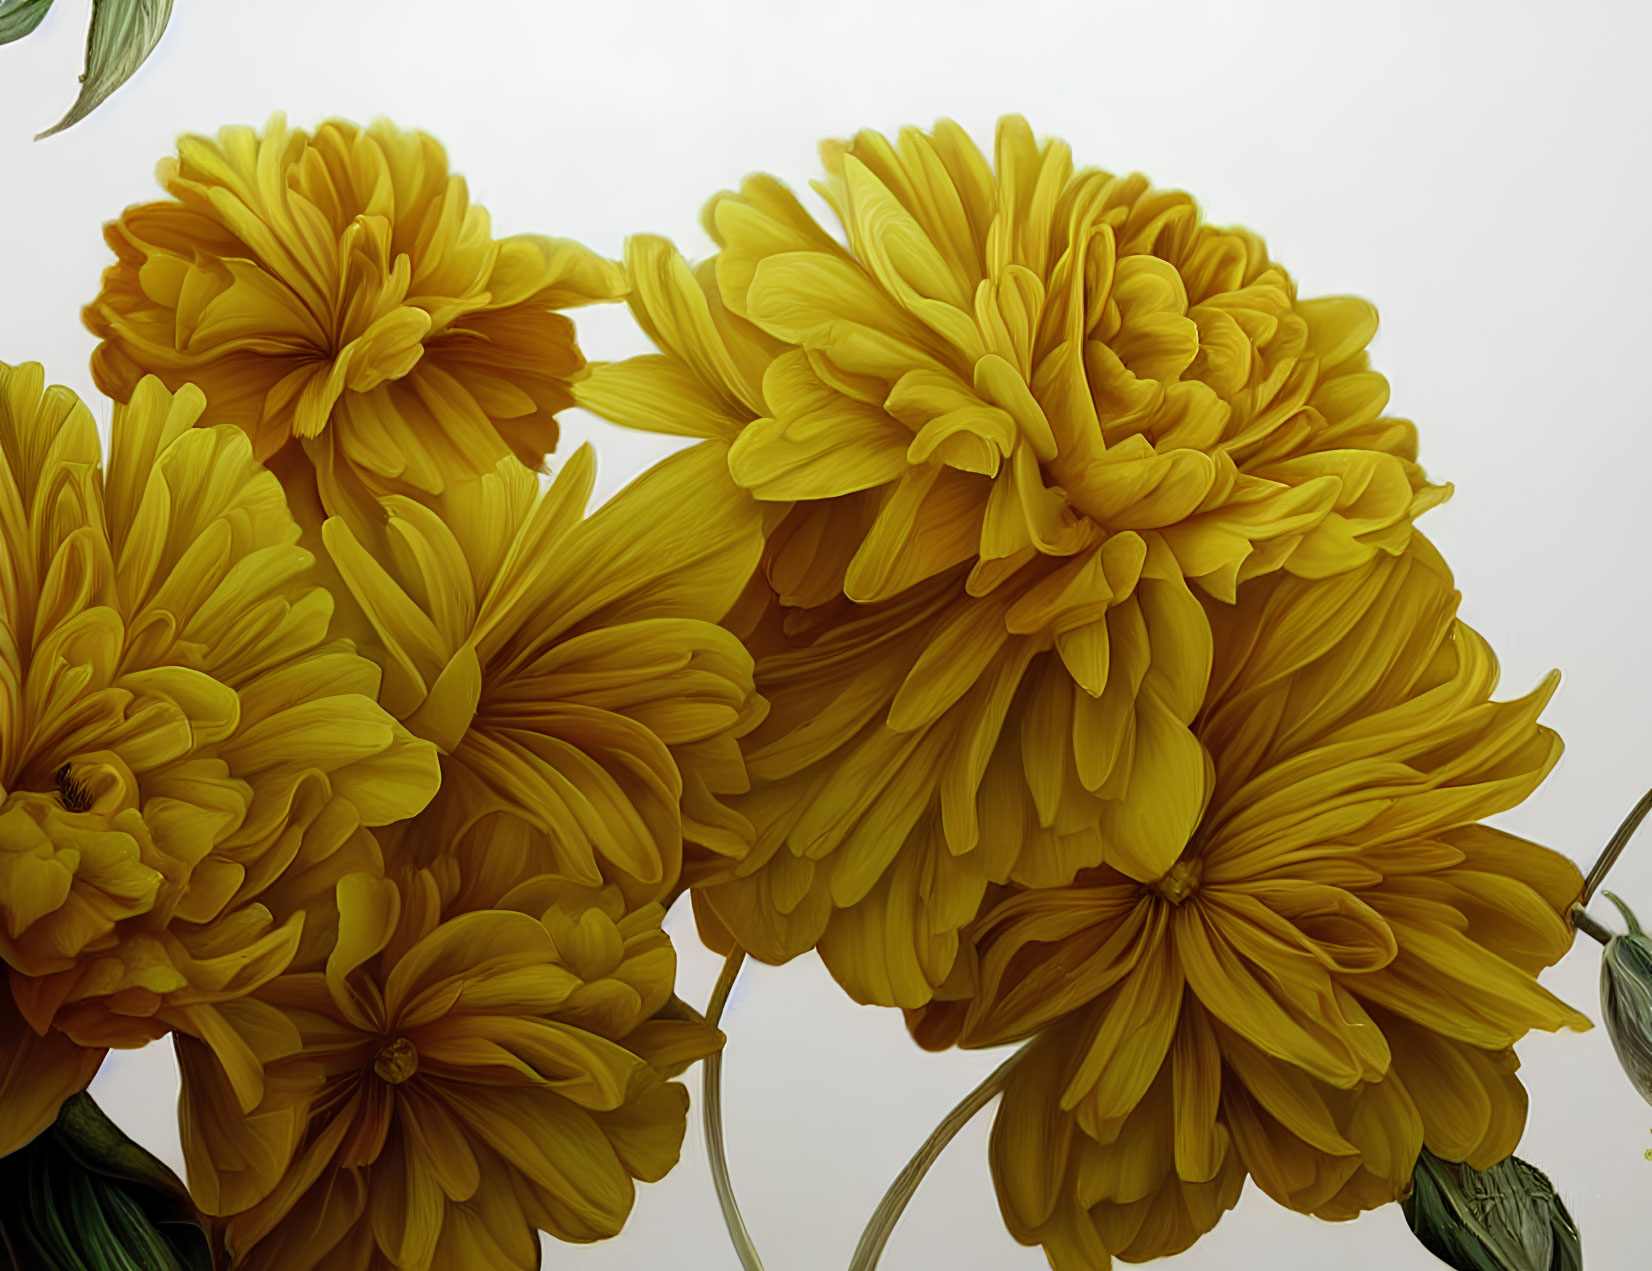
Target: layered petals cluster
{"x": 1011, "y": 426}
{"x": 180, "y": 730}
{"x": 570, "y": 670}
{"x": 466, "y": 1079}
{"x": 338, "y": 296}
{"x": 1332, "y": 974}
{"x": 1033, "y": 624}
{"x": 483, "y": 1052}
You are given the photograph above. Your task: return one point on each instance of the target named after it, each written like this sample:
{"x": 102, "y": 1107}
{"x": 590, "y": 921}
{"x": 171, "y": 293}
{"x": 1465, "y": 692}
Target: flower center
{"x": 75, "y": 797}
{"x": 398, "y": 1061}
{"x": 93, "y": 781}
{"x": 1179, "y": 880}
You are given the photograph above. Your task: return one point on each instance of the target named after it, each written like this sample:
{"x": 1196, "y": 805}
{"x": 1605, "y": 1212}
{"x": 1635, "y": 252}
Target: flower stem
{"x": 712, "y": 1109}
{"x": 1615, "y": 845}
{"x": 1587, "y": 925}
{"x": 905, "y": 1186}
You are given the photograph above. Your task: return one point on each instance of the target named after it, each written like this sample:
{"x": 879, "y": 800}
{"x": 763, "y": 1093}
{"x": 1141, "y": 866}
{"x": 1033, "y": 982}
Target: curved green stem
{"x": 712, "y": 1109}
{"x": 905, "y": 1186}
{"x": 1615, "y": 845}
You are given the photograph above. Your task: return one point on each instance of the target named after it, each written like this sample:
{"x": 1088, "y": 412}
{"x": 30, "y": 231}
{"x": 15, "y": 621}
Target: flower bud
{"x": 1626, "y": 999}
{"x": 1506, "y": 1218}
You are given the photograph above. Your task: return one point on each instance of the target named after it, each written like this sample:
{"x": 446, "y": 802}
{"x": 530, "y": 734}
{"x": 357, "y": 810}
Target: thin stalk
{"x": 1588, "y": 926}
{"x": 905, "y": 1186}
{"x": 711, "y": 1103}
{"x": 1615, "y": 845}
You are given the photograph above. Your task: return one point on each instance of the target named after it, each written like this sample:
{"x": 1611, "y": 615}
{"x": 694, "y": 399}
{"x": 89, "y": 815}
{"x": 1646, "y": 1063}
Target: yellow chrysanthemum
{"x": 1332, "y": 974}
{"x": 587, "y": 706}
{"x": 1001, "y": 431}
{"x": 177, "y": 729}
{"x": 462, "y": 1083}
{"x": 341, "y": 291}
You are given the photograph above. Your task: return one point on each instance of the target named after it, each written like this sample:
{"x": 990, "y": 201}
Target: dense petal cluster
{"x": 570, "y": 670}
{"x": 178, "y": 730}
{"x": 465, "y": 1080}
{"x": 587, "y": 709}
{"x": 1008, "y": 433}
{"x": 1332, "y": 973}
{"x": 339, "y": 297}
{"x": 1038, "y": 630}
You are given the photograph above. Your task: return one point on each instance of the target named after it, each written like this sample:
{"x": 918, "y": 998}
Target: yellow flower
{"x": 177, "y": 729}
{"x": 1332, "y": 974}
{"x": 462, "y": 1083}
{"x": 341, "y": 291}
{"x": 587, "y": 707}
{"x": 587, "y": 710}
{"x": 1001, "y": 432}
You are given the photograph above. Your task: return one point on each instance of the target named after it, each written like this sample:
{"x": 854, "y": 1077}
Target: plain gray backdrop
{"x": 1478, "y": 170}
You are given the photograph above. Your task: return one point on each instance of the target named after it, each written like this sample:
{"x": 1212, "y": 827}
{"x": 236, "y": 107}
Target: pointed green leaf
{"x": 81, "y": 1196}
{"x": 1628, "y": 913}
{"x": 19, "y": 17}
{"x": 101, "y": 1147}
{"x": 124, "y": 33}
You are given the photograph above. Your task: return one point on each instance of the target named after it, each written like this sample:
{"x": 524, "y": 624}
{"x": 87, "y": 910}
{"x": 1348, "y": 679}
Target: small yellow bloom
{"x": 1331, "y": 975}
{"x": 465, "y": 1078}
{"x": 339, "y": 297}
{"x": 1007, "y": 433}
{"x": 177, "y": 729}
{"x": 570, "y": 669}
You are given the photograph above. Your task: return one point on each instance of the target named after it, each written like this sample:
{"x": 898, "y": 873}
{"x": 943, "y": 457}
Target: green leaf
{"x": 19, "y": 17}
{"x": 1628, "y": 913}
{"x": 101, "y": 1147}
{"x": 124, "y": 33}
{"x": 83, "y": 1197}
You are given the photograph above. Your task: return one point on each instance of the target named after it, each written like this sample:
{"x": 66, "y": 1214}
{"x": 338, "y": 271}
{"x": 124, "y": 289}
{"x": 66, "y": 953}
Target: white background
{"x": 1479, "y": 170}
